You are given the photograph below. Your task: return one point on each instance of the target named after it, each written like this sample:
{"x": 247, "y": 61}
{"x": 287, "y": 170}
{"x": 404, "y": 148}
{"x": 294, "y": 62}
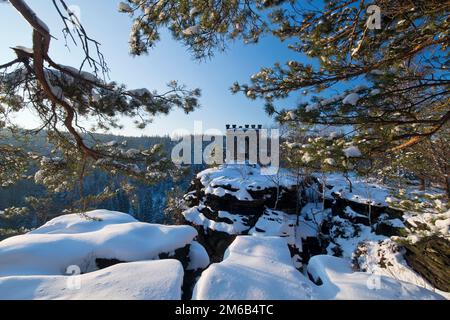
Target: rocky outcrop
{"x": 103, "y": 263}
{"x": 233, "y": 200}
{"x": 430, "y": 257}
{"x": 260, "y": 199}
{"x": 390, "y": 227}
{"x": 365, "y": 213}
{"x": 226, "y": 202}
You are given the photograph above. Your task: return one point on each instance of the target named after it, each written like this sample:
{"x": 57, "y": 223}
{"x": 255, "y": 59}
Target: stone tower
{"x": 242, "y": 143}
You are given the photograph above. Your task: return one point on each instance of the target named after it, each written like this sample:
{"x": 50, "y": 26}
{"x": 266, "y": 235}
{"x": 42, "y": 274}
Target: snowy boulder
{"x": 79, "y": 240}
{"x": 143, "y": 280}
{"x": 87, "y": 222}
{"x": 336, "y": 280}
{"x": 256, "y": 268}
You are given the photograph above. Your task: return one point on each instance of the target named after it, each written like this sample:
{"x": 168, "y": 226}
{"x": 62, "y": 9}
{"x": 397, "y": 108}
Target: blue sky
{"x": 168, "y": 61}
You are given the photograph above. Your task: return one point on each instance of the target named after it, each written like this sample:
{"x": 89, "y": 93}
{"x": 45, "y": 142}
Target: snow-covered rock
{"x": 260, "y": 268}
{"x": 219, "y": 201}
{"x": 143, "y": 280}
{"x": 387, "y": 258}
{"x": 198, "y": 257}
{"x": 363, "y": 191}
{"x": 230, "y": 198}
{"x": 234, "y": 199}
{"x": 243, "y": 177}
{"x": 195, "y": 216}
{"x": 337, "y": 281}
{"x": 77, "y": 240}
{"x": 257, "y": 268}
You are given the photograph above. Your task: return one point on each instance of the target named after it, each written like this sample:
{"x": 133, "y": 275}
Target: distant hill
{"x": 151, "y": 198}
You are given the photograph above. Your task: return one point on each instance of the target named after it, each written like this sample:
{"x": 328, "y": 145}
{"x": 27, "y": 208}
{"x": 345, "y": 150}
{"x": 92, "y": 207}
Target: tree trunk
{"x": 323, "y": 192}
{"x": 422, "y": 184}
{"x": 350, "y": 185}
{"x": 447, "y": 187}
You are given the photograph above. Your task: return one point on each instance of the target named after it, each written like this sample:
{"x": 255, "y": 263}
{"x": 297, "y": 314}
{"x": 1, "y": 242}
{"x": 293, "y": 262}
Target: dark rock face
{"x": 231, "y": 204}
{"x": 214, "y": 242}
{"x": 388, "y": 230}
{"x": 311, "y": 247}
{"x": 287, "y": 198}
{"x": 190, "y": 276}
{"x": 189, "y": 280}
{"x": 261, "y": 198}
{"x": 180, "y": 254}
{"x": 105, "y": 263}
{"x": 430, "y": 257}
{"x": 339, "y": 205}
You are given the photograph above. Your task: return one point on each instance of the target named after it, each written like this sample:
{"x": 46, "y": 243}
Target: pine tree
{"x": 62, "y": 96}
{"x": 403, "y": 65}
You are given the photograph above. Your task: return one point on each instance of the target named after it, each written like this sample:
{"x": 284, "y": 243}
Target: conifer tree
{"x": 63, "y": 96}
{"x": 401, "y": 59}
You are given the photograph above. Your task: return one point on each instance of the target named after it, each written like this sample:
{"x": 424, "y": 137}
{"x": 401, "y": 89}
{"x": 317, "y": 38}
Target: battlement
{"x": 246, "y": 126}
{"x": 243, "y": 143}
